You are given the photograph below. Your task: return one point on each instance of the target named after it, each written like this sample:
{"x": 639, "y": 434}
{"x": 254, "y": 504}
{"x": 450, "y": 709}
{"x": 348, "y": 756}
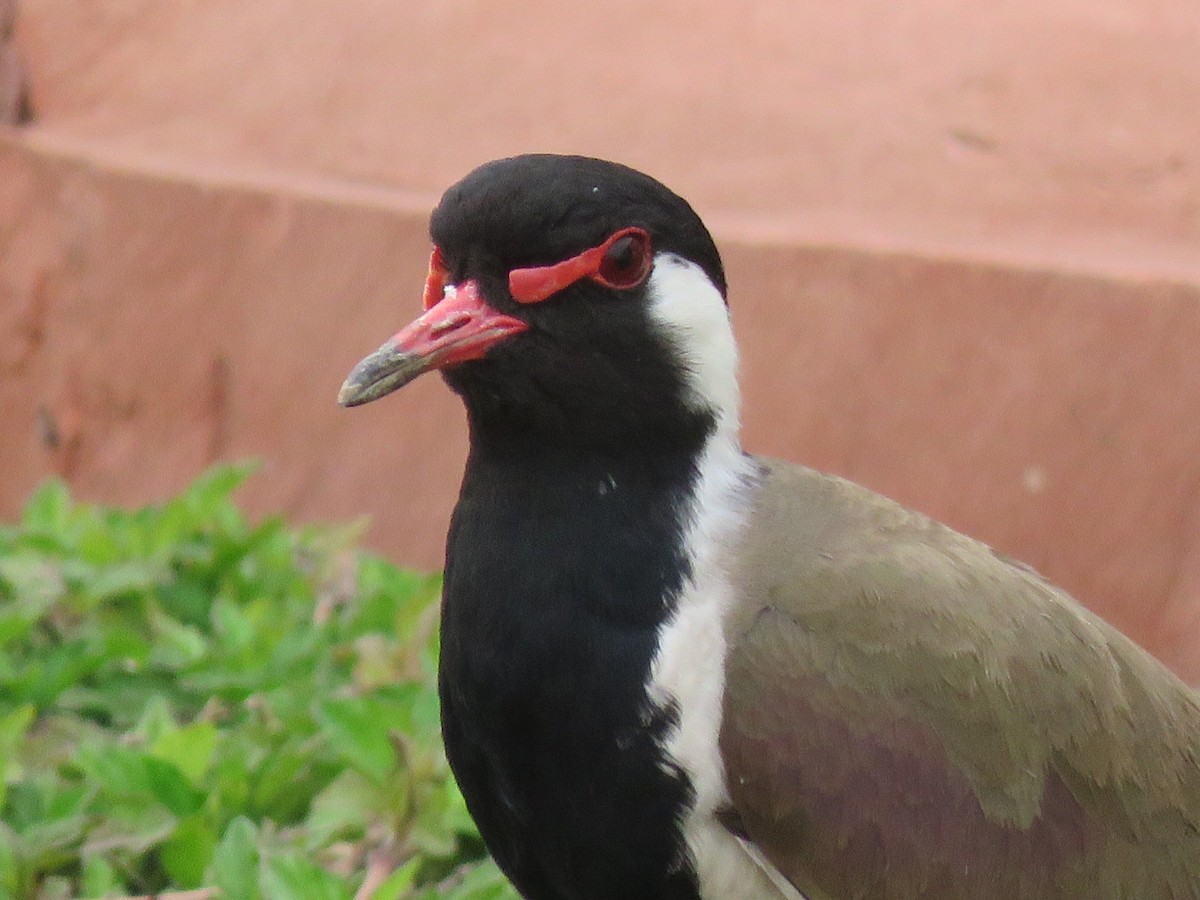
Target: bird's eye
{"x": 626, "y": 261}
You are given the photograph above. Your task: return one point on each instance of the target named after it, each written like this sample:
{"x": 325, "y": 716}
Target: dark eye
{"x": 626, "y": 261}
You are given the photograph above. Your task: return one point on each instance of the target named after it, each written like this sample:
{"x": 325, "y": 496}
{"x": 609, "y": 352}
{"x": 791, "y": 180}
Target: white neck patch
{"x": 688, "y": 670}
{"x": 692, "y": 315}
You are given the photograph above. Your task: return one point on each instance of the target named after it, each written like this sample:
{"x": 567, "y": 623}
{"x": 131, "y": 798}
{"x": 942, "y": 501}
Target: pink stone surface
{"x": 962, "y": 241}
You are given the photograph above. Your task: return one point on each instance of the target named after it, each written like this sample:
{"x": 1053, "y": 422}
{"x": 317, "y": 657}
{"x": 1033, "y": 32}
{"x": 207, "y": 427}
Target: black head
{"x": 542, "y": 208}
{"x": 555, "y": 266}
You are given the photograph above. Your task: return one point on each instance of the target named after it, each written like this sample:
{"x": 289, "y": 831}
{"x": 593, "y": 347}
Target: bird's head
{"x": 571, "y": 297}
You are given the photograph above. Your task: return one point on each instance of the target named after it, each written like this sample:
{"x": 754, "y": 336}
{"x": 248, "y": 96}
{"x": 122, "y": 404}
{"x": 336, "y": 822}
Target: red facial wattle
{"x": 537, "y": 283}
{"x": 435, "y": 281}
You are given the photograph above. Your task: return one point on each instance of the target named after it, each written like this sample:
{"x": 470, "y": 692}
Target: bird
{"x": 674, "y": 670}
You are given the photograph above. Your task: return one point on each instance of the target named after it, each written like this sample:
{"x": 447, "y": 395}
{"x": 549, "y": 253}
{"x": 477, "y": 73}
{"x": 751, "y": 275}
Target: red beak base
{"x": 458, "y": 328}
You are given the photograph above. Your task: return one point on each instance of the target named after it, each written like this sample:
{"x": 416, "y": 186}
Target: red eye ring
{"x": 435, "y": 281}
{"x": 537, "y": 283}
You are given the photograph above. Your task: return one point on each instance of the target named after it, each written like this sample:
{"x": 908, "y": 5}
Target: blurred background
{"x": 963, "y": 241}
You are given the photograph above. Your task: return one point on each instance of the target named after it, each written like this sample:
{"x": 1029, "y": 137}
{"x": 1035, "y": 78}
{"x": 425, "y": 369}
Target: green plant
{"x": 189, "y": 700}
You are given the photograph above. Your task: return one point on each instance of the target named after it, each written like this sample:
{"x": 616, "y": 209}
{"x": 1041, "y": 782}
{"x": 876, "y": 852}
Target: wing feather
{"x": 908, "y": 714}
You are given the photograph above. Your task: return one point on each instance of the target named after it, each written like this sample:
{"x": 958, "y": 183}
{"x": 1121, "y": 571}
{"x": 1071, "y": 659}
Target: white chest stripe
{"x": 688, "y": 670}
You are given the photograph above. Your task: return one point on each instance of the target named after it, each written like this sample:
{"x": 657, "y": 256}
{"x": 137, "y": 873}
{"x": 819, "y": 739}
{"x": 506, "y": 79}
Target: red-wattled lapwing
{"x": 670, "y": 669}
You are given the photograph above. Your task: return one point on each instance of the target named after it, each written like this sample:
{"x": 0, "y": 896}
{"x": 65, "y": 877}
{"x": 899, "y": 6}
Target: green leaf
{"x": 54, "y": 887}
{"x": 232, "y": 626}
{"x": 211, "y": 491}
{"x": 131, "y": 827}
{"x": 48, "y": 508}
{"x": 281, "y": 786}
{"x": 398, "y": 885}
{"x": 344, "y": 809}
{"x": 171, "y": 668}
{"x": 126, "y": 773}
{"x": 228, "y": 780}
{"x": 13, "y": 726}
{"x": 435, "y": 828}
{"x": 186, "y": 601}
{"x": 234, "y": 867}
{"x": 156, "y": 720}
{"x": 454, "y": 811}
{"x": 119, "y": 771}
{"x": 12, "y": 868}
{"x": 186, "y": 853}
{"x": 119, "y": 580}
{"x": 52, "y": 841}
{"x": 190, "y": 749}
{"x": 98, "y": 878}
{"x": 176, "y": 645}
{"x": 297, "y": 878}
{"x": 484, "y": 882}
{"x": 55, "y": 668}
{"x": 171, "y": 788}
{"x": 427, "y": 716}
{"x": 30, "y": 585}
{"x": 359, "y": 733}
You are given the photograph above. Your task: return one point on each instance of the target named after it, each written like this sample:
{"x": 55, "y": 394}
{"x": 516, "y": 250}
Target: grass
{"x": 190, "y": 701}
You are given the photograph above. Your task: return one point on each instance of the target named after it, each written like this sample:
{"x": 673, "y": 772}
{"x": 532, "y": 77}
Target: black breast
{"x": 559, "y": 572}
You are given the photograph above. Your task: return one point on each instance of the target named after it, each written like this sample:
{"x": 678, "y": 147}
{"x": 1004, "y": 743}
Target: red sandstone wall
{"x": 14, "y": 99}
{"x": 962, "y": 241}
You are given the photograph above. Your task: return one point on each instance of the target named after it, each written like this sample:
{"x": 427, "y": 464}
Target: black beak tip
{"x": 349, "y": 395}
{"x": 384, "y": 371}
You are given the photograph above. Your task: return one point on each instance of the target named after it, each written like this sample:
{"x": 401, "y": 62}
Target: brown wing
{"x": 909, "y": 715}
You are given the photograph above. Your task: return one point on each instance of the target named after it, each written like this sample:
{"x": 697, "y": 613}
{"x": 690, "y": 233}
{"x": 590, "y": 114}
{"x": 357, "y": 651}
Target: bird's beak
{"x": 461, "y": 326}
